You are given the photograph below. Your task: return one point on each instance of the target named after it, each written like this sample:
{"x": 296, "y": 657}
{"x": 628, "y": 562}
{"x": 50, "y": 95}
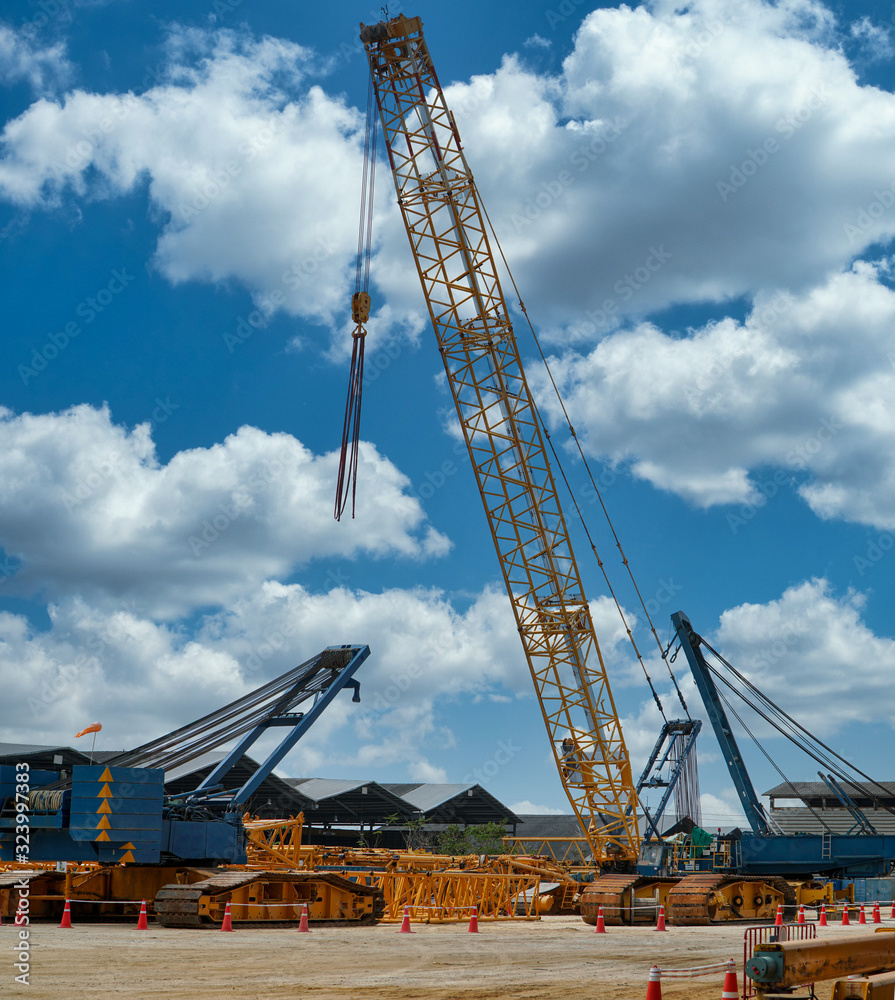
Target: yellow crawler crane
{"x": 446, "y": 226}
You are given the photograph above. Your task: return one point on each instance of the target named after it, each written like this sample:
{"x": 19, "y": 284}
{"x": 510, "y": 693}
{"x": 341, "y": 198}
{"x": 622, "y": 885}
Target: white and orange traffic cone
{"x": 877, "y": 919}
{"x": 862, "y": 917}
{"x": 654, "y": 988}
{"x": 801, "y": 919}
{"x": 227, "y": 925}
{"x": 729, "y": 990}
{"x": 660, "y": 922}
{"x": 303, "y": 920}
{"x": 601, "y": 924}
{"x": 66, "y": 915}
{"x": 405, "y": 923}
{"x": 778, "y": 920}
{"x": 845, "y": 921}
{"x": 822, "y": 922}
{"x": 474, "y": 922}
{"x": 142, "y": 920}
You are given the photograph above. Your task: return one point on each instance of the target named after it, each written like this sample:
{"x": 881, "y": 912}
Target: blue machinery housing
{"x": 118, "y": 812}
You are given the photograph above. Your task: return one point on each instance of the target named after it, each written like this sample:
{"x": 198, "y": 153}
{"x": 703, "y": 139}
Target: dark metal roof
{"x": 537, "y": 825}
{"x": 820, "y": 790}
{"x": 347, "y": 801}
{"x": 40, "y": 756}
{"x": 468, "y": 804}
{"x": 401, "y": 789}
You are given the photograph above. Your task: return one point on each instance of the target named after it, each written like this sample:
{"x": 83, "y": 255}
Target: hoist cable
{"x": 769, "y": 759}
{"x": 346, "y": 481}
{"x": 574, "y": 499}
{"x": 810, "y": 736}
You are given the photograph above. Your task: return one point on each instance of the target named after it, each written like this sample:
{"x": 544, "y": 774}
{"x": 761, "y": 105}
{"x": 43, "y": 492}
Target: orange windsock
{"x": 94, "y": 727}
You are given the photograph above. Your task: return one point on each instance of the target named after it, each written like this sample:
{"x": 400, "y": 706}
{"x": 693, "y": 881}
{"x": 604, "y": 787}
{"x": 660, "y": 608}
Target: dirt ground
{"x": 556, "y": 957}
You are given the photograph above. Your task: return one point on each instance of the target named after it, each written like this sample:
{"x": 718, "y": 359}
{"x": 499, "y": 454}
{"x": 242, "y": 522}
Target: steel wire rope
{"x": 346, "y": 481}
{"x": 191, "y": 741}
{"x": 757, "y": 743}
{"x": 803, "y": 743}
{"x": 578, "y": 510}
{"x": 842, "y": 775}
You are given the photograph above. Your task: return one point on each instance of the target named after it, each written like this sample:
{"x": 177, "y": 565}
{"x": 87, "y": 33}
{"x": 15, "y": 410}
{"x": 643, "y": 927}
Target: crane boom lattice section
{"x": 457, "y": 269}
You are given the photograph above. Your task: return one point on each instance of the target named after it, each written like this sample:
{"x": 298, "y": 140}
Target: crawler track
{"x": 258, "y": 896}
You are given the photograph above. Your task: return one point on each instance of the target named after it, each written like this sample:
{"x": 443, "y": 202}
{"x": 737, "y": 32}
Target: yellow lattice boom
{"x": 445, "y": 223}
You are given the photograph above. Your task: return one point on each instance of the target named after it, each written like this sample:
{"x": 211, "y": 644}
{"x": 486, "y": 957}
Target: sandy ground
{"x": 556, "y": 957}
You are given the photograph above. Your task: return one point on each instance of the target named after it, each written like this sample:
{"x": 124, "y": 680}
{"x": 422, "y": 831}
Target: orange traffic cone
{"x": 303, "y": 920}
{"x": 601, "y": 926}
{"x": 862, "y": 918}
{"x": 845, "y": 920}
{"x": 893, "y": 910}
{"x": 877, "y": 919}
{"x": 660, "y": 923}
{"x": 654, "y": 989}
{"x": 730, "y": 991}
{"x": 823, "y": 916}
{"x": 227, "y": 925}
{"x": 405, "y": 923}
{"x": 778, "y": 920}
{"x": 801, "y": 914}
{"x": 474, "y": 922}
{"x": 142, "y": 921}
{"x": 66, "y": 915}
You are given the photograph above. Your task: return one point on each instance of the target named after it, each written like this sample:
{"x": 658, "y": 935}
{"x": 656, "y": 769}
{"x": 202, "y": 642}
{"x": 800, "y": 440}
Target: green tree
{"x": 484, "y": 838}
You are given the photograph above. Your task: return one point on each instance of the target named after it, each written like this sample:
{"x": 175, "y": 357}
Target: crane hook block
{"x": 360, "y": 307}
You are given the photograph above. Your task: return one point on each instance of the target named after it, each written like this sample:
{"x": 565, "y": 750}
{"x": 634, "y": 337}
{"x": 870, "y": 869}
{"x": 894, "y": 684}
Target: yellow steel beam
{"x": 881, "y": 987}
{"x": 791, "y": 963}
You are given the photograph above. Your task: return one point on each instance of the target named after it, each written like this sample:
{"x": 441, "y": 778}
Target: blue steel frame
{"x": 300, "y": 722}
{"x": 677, "y": 727}
{"x": 718, "y": 717}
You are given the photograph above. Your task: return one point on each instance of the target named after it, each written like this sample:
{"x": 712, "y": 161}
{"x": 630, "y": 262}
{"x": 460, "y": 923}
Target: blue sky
{"x": 698, "y": 205}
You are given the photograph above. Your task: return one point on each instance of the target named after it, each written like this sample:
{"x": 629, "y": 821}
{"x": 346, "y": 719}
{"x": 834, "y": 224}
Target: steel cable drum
{"x": 42, "y": 800}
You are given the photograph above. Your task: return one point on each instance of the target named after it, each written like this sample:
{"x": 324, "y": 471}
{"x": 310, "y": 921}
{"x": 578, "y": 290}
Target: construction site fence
{"x": 764, "y": 934}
